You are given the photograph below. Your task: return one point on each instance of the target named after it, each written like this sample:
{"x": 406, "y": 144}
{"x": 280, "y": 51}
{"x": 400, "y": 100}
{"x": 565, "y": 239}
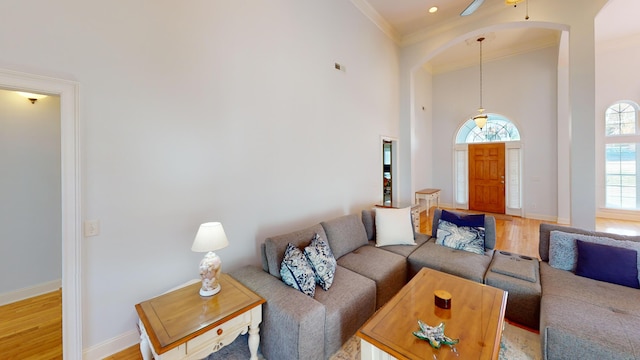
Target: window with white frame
{"x": 621, "y": 156}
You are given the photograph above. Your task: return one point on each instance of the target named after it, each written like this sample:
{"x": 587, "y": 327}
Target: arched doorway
{"x": 488, "y": 166}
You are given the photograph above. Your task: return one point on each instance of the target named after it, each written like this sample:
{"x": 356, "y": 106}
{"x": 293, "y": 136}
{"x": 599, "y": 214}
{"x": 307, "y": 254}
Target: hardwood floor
{"x": 31, "y": 329}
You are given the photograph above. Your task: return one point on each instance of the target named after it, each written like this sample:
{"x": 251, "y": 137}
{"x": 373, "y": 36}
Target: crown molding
{"x": 377, "y": 19}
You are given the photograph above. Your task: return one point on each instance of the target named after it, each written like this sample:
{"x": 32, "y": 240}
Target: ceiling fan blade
{"x": 475, "y": 4}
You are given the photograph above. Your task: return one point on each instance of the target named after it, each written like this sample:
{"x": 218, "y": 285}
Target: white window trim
{"x": 613, "y": 212}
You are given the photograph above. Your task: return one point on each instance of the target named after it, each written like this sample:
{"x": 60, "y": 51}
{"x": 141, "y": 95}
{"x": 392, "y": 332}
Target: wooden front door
{"x": 486, "y": 177}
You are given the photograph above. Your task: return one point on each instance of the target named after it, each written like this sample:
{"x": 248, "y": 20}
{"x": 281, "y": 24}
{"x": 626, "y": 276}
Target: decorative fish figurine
{"x": 434, "y": 334}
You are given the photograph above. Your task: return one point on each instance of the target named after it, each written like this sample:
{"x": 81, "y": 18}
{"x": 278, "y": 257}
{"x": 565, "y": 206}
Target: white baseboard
{"x": 541, "y": 217}
{"x": 31, "y": 291}
{"x": 111, "y": 346}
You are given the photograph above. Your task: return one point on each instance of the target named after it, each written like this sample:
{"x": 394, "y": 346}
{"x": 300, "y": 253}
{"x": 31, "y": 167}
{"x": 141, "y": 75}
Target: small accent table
{"x": 426, "y": 196}
{"x": 181, "y": 324}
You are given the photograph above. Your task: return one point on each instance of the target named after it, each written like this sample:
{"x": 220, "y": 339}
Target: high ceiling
{"x": 409, "y": 18}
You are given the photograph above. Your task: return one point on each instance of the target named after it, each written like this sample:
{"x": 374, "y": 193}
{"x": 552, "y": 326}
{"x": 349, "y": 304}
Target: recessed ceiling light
{"x": 433, "y": 9}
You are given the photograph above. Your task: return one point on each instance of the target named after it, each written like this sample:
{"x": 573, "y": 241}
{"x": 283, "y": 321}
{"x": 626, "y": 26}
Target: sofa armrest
{"x": 292, "y": 322}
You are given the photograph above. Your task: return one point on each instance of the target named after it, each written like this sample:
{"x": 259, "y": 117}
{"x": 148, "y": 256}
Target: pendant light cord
{"x": 480, "y": 40}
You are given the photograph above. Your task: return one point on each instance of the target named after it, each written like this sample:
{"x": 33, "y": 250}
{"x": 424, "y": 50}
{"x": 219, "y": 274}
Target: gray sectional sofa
{"x": 296, "y": 326}
{"x": 581, "y": 318}
{"x": 578, "y": 318}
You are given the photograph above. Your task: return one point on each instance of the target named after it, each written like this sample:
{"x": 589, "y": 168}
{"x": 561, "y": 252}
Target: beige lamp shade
{"x": 210, "y": 237}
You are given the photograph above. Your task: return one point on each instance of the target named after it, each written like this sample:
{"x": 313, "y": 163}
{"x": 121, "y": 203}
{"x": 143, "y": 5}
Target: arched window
{"x": 621, "y": 156}
{"x": 498, "y": 128}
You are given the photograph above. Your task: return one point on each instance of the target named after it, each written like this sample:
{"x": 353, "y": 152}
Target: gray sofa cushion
{"x": 348, "y": 304}
{"x": 545, "y": 233}
{"x": 287, "y": 314}
{"x": 345, "y": 234}
{"x": 388, "y": 270}
{"x": 582, "y": 318}
{"x": 489, "y": 229}
{"x": 369, "y": 221}
{"x": 456, "y": 262}
{"x": 404, "y": 250}
{"x": 275, "y": 246}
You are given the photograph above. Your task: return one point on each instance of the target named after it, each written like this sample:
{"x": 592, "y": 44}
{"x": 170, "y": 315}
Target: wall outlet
{"x": 91, "y": 228}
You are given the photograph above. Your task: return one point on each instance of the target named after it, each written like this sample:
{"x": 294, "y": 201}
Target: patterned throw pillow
{"x": 322, "y": 261}
{"x": 296, "y": 271}
{"x": 467, "y": 238}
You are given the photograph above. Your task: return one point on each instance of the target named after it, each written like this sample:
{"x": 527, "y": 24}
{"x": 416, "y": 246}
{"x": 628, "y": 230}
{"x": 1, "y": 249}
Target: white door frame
{"x": 71, "y": 198}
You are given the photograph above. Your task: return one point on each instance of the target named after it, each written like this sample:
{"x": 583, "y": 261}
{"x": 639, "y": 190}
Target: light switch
{"x": 91, "y": 228}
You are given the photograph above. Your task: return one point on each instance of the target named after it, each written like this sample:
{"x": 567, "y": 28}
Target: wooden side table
{"x": 181, "y": 324}
{"x": 427, "y": 196}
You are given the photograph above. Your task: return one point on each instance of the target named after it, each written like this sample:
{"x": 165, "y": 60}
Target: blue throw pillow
{"x": 473, "y": 220}
{"x": 322, "y": 261}
{"x": 608, "y": 263}
{"x": 296, "y": 271}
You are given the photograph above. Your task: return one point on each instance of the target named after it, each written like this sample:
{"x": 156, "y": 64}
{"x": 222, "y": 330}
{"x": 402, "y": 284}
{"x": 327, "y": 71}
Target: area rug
{"x": 517, "y": 344}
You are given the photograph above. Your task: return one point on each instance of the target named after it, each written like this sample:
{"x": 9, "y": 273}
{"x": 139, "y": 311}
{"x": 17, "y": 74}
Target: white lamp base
{"x": 210, "y": 267}
{"x": 211, "y": 292}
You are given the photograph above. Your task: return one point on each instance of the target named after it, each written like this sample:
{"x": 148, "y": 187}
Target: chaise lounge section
{"x": 583, "y": 318}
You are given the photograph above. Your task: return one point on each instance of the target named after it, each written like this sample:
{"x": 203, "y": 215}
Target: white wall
{"x": 30, "y": 192}
{"x": 228, "y": 111}
{"x": 421, "y": 146}
{"x": 521, "y": 88}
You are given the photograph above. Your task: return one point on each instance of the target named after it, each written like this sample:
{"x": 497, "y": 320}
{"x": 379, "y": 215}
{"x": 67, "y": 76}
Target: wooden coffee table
{"x": 476, "y": 317}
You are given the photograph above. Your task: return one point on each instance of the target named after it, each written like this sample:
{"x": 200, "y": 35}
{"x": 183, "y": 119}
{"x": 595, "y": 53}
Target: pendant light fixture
{"x": 481, "y": 118}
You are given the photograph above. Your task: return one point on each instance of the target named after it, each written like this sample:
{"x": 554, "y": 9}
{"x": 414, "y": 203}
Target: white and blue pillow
{"x": 322, "y": 261}
{"x": 296, "y": 271}
{"x": 461, "y": 232}
{"x": 303, "y": 269}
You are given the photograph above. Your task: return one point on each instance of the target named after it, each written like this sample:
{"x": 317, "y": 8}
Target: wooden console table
{"x": 181, "y": 324}
{"x": 427, "y": 196}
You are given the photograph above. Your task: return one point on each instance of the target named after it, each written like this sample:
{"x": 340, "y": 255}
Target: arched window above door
{"x": 498, "y": 128}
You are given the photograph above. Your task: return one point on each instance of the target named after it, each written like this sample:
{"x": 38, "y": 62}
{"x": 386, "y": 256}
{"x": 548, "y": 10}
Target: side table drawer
{"x": 219, "y": 337}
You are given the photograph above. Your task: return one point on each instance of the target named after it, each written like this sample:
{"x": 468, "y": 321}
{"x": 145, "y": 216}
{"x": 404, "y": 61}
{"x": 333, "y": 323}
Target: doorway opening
{"x": 389, "y": 164}
{"x": 387, "y": 153}
{"x": 71, "y": 197}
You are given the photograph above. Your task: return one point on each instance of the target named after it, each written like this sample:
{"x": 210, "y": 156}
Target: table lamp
{"x": 210, "y": 237}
